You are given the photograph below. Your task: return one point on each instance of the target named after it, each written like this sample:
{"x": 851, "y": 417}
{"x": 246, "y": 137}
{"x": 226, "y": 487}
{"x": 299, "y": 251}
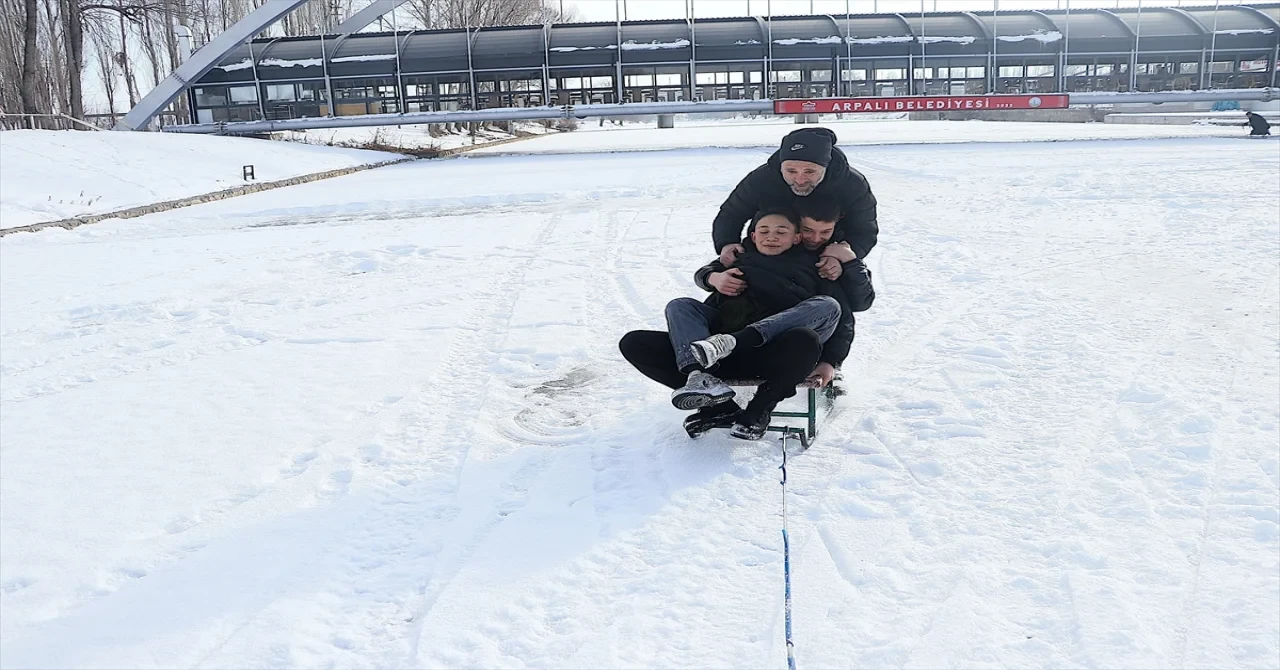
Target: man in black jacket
{"x": 1259, "y": 125}
{"x": 807, "y": 164}
{"x": 785, "y": 328}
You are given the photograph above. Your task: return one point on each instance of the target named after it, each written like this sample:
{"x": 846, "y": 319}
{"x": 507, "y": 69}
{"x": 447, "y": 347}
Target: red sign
{"x": 932, "y": 103}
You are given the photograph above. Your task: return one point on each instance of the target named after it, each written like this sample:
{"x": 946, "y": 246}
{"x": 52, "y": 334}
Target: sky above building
{"x": 609, "y": 10}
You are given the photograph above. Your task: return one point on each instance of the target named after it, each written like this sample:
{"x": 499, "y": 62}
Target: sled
{"x": 809, "y": 432}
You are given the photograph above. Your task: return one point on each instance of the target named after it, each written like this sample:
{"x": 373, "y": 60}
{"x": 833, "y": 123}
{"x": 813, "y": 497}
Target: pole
{"x": 786, "y": 559}
{"x": 1137, "y": 39}
{"x": 995, "y": 47}
{"x": 1213, "y": 43}
{"x": 1066, "y": 53}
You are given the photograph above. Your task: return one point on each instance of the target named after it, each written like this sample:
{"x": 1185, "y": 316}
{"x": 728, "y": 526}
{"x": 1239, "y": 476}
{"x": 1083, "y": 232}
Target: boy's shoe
{"x": 753, "y": 422}
{"x": 720, "y": 415}
{"x": 711, "y": 350}
{"x": 701, "y": 390}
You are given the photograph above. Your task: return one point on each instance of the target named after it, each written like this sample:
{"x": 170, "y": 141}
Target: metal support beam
{"x": 654, "y": 108}
{"x": 203, "y": 60}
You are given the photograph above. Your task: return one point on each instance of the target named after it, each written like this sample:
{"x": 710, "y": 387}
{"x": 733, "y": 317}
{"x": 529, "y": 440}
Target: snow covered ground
{"x": 767, "y": 133}
{"x": 48, "y": 175}
{"x": 410, "y": 137}
{"x": 381, "y": 421}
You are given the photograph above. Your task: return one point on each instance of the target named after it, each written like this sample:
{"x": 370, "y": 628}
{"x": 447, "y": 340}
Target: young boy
{"x": 772, "y": 289}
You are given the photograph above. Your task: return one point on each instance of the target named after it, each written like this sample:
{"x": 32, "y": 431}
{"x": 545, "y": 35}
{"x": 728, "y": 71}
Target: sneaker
{"x": 713, "y": 416}
{"x": 711, "y": 350}
{"x": 701, "y": 390}
{"x": 753, "y": 422}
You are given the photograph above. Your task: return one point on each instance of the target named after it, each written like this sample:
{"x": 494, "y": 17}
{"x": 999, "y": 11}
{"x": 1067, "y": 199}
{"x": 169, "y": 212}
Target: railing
{"x": 43, "y": 122}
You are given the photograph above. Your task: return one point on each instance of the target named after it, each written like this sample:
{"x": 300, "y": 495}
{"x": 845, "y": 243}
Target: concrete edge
{"x": 143, "y": 210}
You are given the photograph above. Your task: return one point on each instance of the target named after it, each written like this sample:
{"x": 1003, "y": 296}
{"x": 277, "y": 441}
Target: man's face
{"x": 774, "y": 234}
{"x": 814, "y": 234}
{"x": 802, "y": 176}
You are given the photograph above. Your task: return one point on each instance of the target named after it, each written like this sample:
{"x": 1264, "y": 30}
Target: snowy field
{"x": 381, "y": 421}
{"x": 48, "y": 175}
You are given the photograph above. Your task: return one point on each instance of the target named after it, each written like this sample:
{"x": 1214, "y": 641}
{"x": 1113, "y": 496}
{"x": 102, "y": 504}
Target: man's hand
{"x": 822, "y": 375}
{"x": 729, "y": 254}
{"x": 840, "y": 251}
{"x": 729, "y": 282}
{"x": 829, "y": 268}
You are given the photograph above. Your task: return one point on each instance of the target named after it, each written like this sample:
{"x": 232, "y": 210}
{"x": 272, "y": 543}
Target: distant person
{"x": 1259, "y": 125}
{"x": 807, "y": 163}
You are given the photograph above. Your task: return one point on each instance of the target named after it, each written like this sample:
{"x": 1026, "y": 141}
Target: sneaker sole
{"x": 743, "y": 436}
{"x": 688, "y": 401}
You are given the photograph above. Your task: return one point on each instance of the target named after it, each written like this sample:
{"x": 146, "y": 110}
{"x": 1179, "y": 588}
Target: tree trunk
{"x": 124, "y": 63}
{"x": 29, "y": 58}
{"x": 74, "y": 34}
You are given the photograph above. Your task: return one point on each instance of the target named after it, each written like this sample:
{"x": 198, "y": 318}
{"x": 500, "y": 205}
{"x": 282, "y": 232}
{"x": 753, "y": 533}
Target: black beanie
{"x": 808, "y": 144}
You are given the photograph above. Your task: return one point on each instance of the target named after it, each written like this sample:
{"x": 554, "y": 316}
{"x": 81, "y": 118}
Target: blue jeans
{"x": 689, "y": 320}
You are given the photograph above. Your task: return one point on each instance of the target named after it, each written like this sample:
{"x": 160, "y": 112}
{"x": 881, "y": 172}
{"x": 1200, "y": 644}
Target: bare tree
{"x": 30, "y": 26}
{"x": 436, "y": 14}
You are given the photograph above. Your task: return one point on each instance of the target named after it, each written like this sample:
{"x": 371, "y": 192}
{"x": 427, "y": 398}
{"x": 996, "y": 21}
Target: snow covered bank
{"x": 416, "y": 137}
{"x": 50, "y": 175}
{"x": 381, "y": 421}
{"x": 850, "y": 132}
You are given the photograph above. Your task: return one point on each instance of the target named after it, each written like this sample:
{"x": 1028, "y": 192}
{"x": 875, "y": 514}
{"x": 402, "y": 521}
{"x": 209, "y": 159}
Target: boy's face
{"x": 774, "y": 234}
{"x": 816, "y": 233}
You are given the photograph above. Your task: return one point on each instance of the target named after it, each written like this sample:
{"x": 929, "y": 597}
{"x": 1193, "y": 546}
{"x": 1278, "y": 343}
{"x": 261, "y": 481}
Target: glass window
{"x": 312, "y": 90}
{"x": 571, "y": 83}
{"x": 1259, "y": 65}
{"x": 485, "y": 87}
{"x": 854, "y": 75}
{"x": 387, "y": 91}
{"x": 820, "y": 75}
{"x": 945, "y": 73}
{"x": 706, "y": 78}
{"x": 735, "y": 77}
{"x": 211, "y": 96}
{"x": 1188, "y": 68}
{"x": 923, "y": 73}
{"x": 1104, "y": 69}
{"x": 1077, "y": 70}
{"x": 280, "y": 92}
{"x": 1011, "y": 71}
{"x": 602, "y": 82}
{"x": 1039, "y": 70}
{"x": 452, "y": 88}
{"x": 1218, "y": 66}
{"x": 639, "y": 80}
{"x": 672, "y": 80}
{"x": 722, "y": 78}
{"x": 891, "y": 73}
{"x": 756, "y": 77}
{"x": 243, "y": 94}
{"x": 787, "y": 76}
{"x": 974, "y": 72}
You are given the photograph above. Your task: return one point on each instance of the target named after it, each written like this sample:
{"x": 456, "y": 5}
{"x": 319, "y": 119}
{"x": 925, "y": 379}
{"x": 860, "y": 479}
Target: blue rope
{"x": 786, "y": 559}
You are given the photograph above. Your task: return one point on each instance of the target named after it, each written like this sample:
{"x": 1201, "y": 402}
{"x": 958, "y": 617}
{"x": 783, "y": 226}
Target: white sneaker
{"x": 711, "y": 350}
{"x": 700, "y": 391}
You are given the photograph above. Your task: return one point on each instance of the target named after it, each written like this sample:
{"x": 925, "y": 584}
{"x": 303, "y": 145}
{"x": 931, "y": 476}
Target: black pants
{"x": 782, "y": 363}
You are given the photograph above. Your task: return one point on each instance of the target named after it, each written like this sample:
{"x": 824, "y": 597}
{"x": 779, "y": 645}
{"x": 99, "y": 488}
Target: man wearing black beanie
{"x": 807, "y": 162}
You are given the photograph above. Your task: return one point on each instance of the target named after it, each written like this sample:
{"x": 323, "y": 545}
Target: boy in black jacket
{"x": 774, "y": 328}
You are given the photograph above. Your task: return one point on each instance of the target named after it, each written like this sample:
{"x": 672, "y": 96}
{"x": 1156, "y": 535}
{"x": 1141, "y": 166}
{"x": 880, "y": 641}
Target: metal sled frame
{"x": 809, "y": 433}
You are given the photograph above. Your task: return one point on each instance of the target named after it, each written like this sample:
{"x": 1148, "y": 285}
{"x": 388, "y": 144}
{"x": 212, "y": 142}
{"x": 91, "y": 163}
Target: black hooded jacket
{"x": 1258, "y": 123}
{"x": 777, "y": 283}
{"x": 764, "y": 188}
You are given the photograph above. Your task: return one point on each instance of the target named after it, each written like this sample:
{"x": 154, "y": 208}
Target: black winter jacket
{"x": 764, "y": 188}
{"x": 777, "y": 283}
{"x": 1258, "y": 123}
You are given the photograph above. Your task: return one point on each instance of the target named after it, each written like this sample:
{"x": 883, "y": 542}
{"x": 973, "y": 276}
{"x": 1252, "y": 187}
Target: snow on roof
{"x": 1244, "y": 31}
{"x": 356, "y": 59}
{"x": 242, "y": 65}
{"x": 792, "y": 41}
{"x": 632, "y": 45}
{"x": 1045, "y": 36}
{"x": 892, "y": 39}
{"x": 934, "y": 39}
{"x": 301, "y": 62}
{"x": 568, "y": 49}
{"x": 746, "y": 42}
